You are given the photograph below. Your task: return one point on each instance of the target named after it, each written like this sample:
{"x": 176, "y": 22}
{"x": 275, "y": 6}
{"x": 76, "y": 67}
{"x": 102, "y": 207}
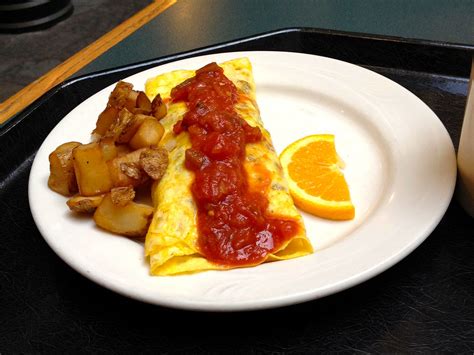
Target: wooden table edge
{"x": 70, "y": 66}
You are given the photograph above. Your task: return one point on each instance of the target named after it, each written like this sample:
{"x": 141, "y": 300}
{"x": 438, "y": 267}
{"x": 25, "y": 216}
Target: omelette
{"x": 175, "y": 241}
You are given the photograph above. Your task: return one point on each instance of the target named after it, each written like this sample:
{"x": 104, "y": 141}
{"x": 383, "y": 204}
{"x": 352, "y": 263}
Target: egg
{"x": 172, "y": 239}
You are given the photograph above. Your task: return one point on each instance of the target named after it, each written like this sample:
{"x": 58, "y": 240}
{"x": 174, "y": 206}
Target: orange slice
{"x": 317, "y": 185}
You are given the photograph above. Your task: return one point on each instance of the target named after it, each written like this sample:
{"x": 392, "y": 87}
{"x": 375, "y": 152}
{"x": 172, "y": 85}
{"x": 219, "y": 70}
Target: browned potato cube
{"x": 122, "y": 149}
{"x": 125, "y": 170}
{"x": 91, "y": 170}
{"x": 154, "y": 162}
{"x": 127, "y": 124}
{"x": 142, "y": 112}
{"x": 118, "y": 97}
{"x": 84, "y": 204}
{"x": 143, "y": 102}
{"x": 131, "y": 128}
{"x": 149, "y": 133}
{"x": 131, "y": 101}
{"x": 105, "y": 120}
{"x": 62, "y": 178}
{"x": 109, "y": 150}
{"x": 131, "y": 220}
{"x": 158, "y": 107}
{"x": 122, "y": 121}
{"x": 122, "y": 195}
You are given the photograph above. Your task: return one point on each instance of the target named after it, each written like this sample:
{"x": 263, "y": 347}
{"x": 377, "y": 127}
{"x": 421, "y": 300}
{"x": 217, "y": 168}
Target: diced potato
{"x": 105, "y": 120}
{"x": 142, "y": 112}
{"x": 109, "y": 150}
{"x": 131, "y": 101}
{"x": 84, "y": 204}
{"x": 91, "y": 170}
{"x": 125, "y": 170}
{"x": 143, "y": 102}
{"x": 118, "y": 97}
{"x": 158, "y": 107}
{"x": 148, "y": 134}
{"x": 131, "y": 220}
{"x": 122, "y": 195}
{"x": 123, "y": 119}
{"x": 124, "y": 128}
{"x": 132, "y": 127}
{"x": 62, "y": 178}
{"x": 154, "y": 162}
{"x": 122, "y": 149}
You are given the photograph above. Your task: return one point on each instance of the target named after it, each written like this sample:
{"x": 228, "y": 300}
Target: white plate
{"x": 400, "y": 166}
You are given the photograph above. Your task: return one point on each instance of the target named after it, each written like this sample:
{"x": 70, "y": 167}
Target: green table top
{"x": 191, "y": 24}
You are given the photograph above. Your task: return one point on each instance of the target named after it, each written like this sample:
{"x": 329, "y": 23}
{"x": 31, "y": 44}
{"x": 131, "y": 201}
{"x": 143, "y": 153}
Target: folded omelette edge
{"x": 171, "y": 241}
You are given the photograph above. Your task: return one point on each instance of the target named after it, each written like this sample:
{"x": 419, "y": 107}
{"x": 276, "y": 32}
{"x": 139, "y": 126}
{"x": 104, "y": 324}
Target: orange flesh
{"x": 314, "y": 169}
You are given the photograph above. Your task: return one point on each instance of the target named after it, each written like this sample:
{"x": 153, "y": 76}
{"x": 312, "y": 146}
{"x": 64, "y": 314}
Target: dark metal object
{"x": 424, "y": 303}
{"x": 29, "y": 15}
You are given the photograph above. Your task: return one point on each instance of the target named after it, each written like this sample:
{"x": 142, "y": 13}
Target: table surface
{"x": 402, "y": 310}
{"x": 209, "y": 22}
{"x": 191, "y": 24}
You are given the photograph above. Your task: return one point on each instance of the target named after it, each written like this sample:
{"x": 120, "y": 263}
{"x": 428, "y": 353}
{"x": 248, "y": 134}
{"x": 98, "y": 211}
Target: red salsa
{"x": 233, "y": 227}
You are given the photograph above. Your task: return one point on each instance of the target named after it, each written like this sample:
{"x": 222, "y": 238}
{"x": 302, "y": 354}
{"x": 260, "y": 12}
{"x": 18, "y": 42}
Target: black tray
{"x": 424, "y": 303}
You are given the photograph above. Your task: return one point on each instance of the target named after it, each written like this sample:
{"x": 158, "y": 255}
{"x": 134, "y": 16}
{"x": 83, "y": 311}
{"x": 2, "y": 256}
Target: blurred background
{"x": 26, "y": 56}
{"x": 29, "y": 52}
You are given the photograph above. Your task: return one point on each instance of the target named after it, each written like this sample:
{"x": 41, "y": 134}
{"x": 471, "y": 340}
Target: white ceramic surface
{"x": 465, "y": 188}
{"x": 400, "y": 166}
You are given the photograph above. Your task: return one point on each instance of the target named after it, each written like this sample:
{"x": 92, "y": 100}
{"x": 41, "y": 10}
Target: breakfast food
{"x": 321, "y": 190}
{"x": 220, "y": 200}
{"x": 101, "y": 177}
{"x": 223, "y": 201}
